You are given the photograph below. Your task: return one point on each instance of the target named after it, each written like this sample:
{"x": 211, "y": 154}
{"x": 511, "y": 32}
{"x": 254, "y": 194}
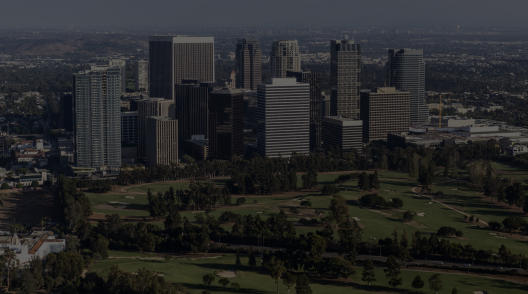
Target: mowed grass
{"x": 377, "y": 226}
{"x": 163, "y": 187}
{"x": 189, "y": 273}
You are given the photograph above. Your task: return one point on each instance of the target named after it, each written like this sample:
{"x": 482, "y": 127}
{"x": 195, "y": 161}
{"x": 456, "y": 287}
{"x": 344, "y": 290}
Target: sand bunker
{"x": 357, "y": 219}
{"x": 117, "y": 202}
{"x": 501, "y": 237}
{"x": 494, "y": 234}
{"x": 454, "y": 189}
{"x": 480, "y": 292}
{"x": 429, "y": 203}
{"x": 130, "y": 197}
{"x": 260, "y": 212}
{"x": 421, "y": 214}
{"x": 227, "y": 274}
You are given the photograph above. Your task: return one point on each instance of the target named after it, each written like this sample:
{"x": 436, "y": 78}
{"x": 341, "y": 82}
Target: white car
{"x": 467, "y": 264}
{"x": 440, "y": 263}
{"x": 499, "y": 268}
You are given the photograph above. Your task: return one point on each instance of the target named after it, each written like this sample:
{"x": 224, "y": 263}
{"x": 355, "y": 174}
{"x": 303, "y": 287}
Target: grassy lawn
{"x": 190, "y": 272}
{"x": 129, "y": 254}
{"x": 393, "y": 184}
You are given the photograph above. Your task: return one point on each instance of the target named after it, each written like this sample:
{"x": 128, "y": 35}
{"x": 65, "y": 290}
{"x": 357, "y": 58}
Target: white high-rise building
{"x": 121, "y": 63}
{"x": 283, "y": 112}
{"x": 142, "y": 76}
{"x": 284, "y": 56}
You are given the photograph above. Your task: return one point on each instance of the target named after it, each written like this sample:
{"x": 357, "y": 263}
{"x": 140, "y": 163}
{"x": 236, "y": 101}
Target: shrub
{"x": 329, "y": 190}
{"x": 446, "y": 231}
{"x": 4, "y": 186}
{"x": 459, "y": 233}
{"x": 293, "y": 210}
{"x": 397, "y": 203}
{"x": 19, "y": 185}
{"x": 471, "y": 218}
{"x": 240, "y": 201}
{"x": 408, "y": 216}
{"x": 374, "y": 200}
{"x": 255, "y": 201}
{"x": 494, "y": 225}
{"x": 477, "y": 220}
{"x": 35, "y": 183}
{"x": 306, "y": 203}
{"x": 230, "y": 217}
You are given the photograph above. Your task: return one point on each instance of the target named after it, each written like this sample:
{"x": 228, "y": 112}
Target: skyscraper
{"x": 345, "y": 66}
{"x": 226, "y": 123}
{"x": 66, "y": 112}
{"x": 342, "y": 132}
{"x": 151, "y": 107}
{"x": 174, "y": 58}
{"x": 121, "y": 63}
{"x": 314, "y": 79}
{"x": 283, "y": 118}
{"x": 383, "y": 111}
{"x": 284, "y": 56}
{"x": 130, "y": 127}
{"x": 192, "y": 113}
{"x": 406, "y": 72}
{"x": 248, "y": 63}
{"x": 142, "y": 81}
{"x": 162, "y": 135}
{"x": 96, "y": 118}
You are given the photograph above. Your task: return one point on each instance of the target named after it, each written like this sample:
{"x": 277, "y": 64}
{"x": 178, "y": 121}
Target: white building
{"x": 142, "y": 79}
{"x": 283, "y": 114}
{"x": 35, "y": 244}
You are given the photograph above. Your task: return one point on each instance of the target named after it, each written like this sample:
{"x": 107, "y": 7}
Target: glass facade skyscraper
{"x": 406, "y": 72}
{"x": 345, "y": 66}
{"x": 97, "y": 118}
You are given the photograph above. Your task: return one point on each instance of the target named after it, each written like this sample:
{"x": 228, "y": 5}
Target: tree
{"x": 224, "y": 282}
{"x": 374, "y": 181}
{"x": 167, "y": 257}
{"x": 364, "y": 182}
{"x": 302, "y": 285}
{"x": 329, "y": 189}
{"x": 19, "y": 186}
{"x": 350, "y": 235}
{"x": 4, "y": 186}
{"x": 226, "y": 195}
{"x": 435, "y": 283}
{"x": 35, "y": 183}
{"x": 339, "y": 209}
{"x": 454, "y": 291}
{"x": 252, "y": 260}
{"x": 306, "y": 203}
{"x": 99, "y": 245}
{"x": 235, "y": 286}
{"x": 515, "y": 194}
{"x": 368, "y": 272}
{"x": 240, "y": 201}
{"x": 208, "y": 279}
{"x": 72, "y": 244}
{"x": 513, "y": 223}
{"x": 237, "y": 262}
{"x": 418, "y": 283}
{"x": 393, "y": 271}
{"x": 276, "y": 268}
{"x": 10, "y": 264}
{"x": 288, "y": 280}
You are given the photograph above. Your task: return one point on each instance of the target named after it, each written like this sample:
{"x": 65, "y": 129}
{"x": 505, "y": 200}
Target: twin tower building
{"x": 192, "y": 113}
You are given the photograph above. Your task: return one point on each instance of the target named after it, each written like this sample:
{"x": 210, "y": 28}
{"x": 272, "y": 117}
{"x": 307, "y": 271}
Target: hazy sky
{"x": 398, "y": 13}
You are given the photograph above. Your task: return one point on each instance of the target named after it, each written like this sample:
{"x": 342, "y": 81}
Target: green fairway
{"x": 163, "y": 187}
{"x": 190, "y": 272}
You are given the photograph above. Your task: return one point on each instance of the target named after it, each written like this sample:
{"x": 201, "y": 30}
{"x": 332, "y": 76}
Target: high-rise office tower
{"x": 384, "y": 110}
{"x": 284, "y": 56}
{"x": 96, "y": 118}
{"x": 66, "y": 112}
{"x": 142, "y": 80}
{"x": 129, "y": 127}
{"x": 121, "y": 63}
{"x": 314, "y": 79}
{"x": 147, "y": 108}
{"x": 174, "y": 58}
{"x": 226, "y": 123}
{"x": 283, "y": 118}
{"x": 192, "y": 113}
{"x": 406, "y": 72}
{"x": 248, "y": 63}
{"x": 345, "y": 66}
{"x": 342, "y": 132}
{"x": 162, "y": 136}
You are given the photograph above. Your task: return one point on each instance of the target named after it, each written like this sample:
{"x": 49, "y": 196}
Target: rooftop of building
{"x": 342, "y": 121}
{"x": 161, "y": 118}
{"x": 226, "y": 91}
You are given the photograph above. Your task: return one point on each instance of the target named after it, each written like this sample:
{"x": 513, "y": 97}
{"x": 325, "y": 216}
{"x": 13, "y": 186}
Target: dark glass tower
{"x": 226, "y": 123}
{"x": 406, "y": 72}
{"x": 248, "y": 59}
{"x": 192, "y": 113}
{"x": 345, "y": 66}
{"x": 316, "y": 112}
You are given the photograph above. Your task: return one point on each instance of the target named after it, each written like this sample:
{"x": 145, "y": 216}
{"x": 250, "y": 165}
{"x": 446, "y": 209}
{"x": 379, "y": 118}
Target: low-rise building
{"x": 35, "y": 244}
{"x": 342, "y": 132}
{"x": 516, "y": 149}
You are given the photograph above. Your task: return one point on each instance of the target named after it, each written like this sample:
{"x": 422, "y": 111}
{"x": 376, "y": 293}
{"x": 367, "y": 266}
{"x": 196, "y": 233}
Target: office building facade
{"x": 226, "y": 123}
{"x": 142, "y": 81}
{"x": 248, "y": 64}
{"x": 96, "y": 118}
{"x": 283, "y": 114}
{"x": 284, "y": 56}
{"x": 66, "y": 112}
{"x": 146, "y": 108}
{"x": 384, "y": 110}
{"x": 406, "y": 72}
{"x": 192, "y": 112}
{"x": 343, "y": 133}
{"x": 162, "y": 137}
{"x": 174, "y": 58}
{"x": 345, "y": 67}
{"x": 314, "y": 79}
{"x": 130, "y": 127}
